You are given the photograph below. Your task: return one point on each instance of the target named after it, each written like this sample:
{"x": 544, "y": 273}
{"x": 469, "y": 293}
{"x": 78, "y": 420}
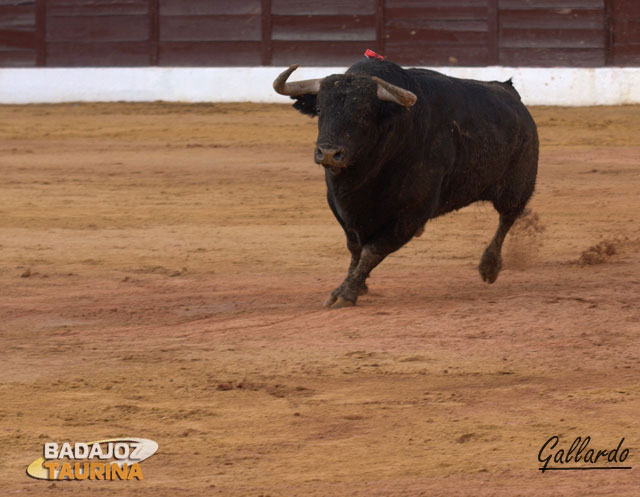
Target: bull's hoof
{"x": 340, "y": 302}
{"x": 364, "y": 289}
{"x": 336, "y": 302}
{"x": 490, "y": 266}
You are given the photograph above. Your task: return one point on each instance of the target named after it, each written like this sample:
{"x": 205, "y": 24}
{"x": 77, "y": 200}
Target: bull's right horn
{"x": 295, "y": 88}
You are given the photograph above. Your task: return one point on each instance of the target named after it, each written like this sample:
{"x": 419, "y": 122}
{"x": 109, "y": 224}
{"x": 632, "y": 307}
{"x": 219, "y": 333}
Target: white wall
{"x": 538, "y": 86}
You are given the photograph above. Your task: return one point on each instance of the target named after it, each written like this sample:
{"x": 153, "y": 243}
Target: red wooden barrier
{"x": 17, "y": 34}
{"x": 318, "y": 32}
{"x": 625, "y": 29}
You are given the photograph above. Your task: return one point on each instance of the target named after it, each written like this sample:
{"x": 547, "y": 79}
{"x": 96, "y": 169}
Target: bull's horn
{"x": 296, "y": 88}
{"x": 395, "y": 94}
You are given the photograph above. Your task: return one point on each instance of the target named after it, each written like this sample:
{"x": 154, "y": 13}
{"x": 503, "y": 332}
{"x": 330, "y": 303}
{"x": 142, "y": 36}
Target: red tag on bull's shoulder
{"x": 370, "y": 54}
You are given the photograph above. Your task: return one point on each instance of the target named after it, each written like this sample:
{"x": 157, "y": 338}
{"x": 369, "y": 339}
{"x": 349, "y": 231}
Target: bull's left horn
{"x": 395, "y": 94}
{"x": 295, "y": 88}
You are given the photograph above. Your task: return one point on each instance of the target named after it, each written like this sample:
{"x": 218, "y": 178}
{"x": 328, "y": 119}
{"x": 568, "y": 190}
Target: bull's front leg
{"x": 354, "y": 284}
{"x": 356, "y": 250}
{"x": 364, "y": 259}
{"x": 397, "y": 232}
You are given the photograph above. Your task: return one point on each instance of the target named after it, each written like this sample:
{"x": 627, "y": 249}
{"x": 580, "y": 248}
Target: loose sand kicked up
{"x": 162, "y": 269}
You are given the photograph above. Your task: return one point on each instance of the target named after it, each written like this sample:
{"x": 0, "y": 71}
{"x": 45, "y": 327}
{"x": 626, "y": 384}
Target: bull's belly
{"x": 477, "y": 183}
{"x": 445, "y": 208}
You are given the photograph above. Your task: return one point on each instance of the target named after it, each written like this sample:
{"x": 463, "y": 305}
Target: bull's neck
{"x": 360, "y": 176}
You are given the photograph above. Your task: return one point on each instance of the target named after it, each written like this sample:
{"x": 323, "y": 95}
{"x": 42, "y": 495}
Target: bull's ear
{"x": 307, "y": 104}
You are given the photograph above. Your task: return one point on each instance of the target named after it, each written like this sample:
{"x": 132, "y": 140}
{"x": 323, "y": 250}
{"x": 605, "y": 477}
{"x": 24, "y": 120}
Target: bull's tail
{"x": 508, "y": 84}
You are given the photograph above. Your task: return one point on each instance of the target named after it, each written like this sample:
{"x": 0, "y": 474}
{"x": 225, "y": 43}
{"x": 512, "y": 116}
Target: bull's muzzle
{"x": 332, "y": 157}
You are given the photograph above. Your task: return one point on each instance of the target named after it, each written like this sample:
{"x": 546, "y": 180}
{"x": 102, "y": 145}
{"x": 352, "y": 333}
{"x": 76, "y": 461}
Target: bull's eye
{"x": 317, "y": 111}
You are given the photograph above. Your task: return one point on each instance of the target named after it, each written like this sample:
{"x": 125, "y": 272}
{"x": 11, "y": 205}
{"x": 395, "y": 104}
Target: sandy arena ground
{"x": 162, "y": 269}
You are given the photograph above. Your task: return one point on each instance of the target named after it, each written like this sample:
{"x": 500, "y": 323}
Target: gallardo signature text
{"x": 581, "y": 455}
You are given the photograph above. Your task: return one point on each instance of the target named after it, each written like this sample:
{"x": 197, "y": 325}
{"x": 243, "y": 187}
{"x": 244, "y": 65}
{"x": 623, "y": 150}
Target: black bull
{"x": 402, "y": 146}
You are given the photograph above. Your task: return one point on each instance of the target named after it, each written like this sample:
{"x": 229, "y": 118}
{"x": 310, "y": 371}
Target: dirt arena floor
{"x": 162, "y": 269}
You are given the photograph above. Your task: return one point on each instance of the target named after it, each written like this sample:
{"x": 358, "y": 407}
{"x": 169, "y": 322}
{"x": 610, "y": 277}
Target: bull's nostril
{"x": 330, "y": 156}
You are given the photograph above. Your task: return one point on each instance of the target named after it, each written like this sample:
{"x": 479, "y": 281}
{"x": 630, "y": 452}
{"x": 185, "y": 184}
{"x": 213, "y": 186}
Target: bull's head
{"x": 347, "y": 106}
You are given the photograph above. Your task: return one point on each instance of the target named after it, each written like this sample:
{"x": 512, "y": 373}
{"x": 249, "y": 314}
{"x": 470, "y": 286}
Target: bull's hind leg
{"x": 510, "y": 204}
{"x": 491, "y": 261}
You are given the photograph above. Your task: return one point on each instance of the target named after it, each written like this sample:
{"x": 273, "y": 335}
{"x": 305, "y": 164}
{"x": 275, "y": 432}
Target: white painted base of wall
{"x": 538, "y": 86}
